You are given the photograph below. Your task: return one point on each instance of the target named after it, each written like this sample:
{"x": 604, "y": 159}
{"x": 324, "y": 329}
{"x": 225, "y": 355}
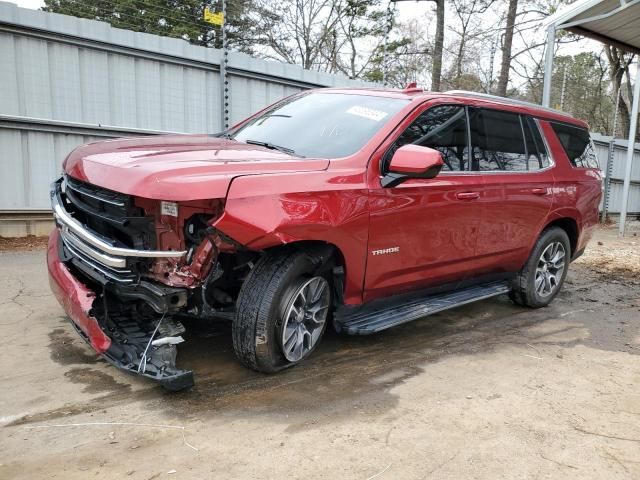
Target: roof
{"x": 484, "y": 99}
{"x": 616, "y": 22}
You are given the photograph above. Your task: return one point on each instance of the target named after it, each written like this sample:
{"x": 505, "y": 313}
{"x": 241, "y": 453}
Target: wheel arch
{"x": 331, "y": 258}
{"x": 571, "y": 228}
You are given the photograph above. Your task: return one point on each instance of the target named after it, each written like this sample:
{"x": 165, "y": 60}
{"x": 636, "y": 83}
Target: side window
{"x": 497, "y": 140}
{"x": 444, "y": 128}
{"x": 576, "y": 143}
{"x": 537, "y": 157}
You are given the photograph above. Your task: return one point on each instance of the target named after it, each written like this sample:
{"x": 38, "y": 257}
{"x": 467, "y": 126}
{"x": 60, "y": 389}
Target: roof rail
{"x": 510, "y": 101}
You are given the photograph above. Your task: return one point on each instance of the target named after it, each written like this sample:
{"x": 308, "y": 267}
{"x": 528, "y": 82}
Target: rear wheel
{"x": 540, "y": 280}
{"x": 282, "y": 311}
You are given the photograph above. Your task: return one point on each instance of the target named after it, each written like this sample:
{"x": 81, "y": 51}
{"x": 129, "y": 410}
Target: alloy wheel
{"x": 305, "y": 318}
{"x": 550, "y": 269}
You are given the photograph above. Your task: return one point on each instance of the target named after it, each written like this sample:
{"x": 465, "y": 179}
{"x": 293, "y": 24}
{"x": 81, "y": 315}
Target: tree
{"x": 525, "y": 55}
{"x": 505, "y": 64}
{"x": 173, "y": 18}
{"x": 619, "y": 63}
{"x": 436, "y": 67}
{"x": 296, "y": 31}
{"x": 359, "y": 20}
{"x": 408, "y": 54}
{"x": 336, "y": 36}
{"x": 586, "y": 94}
{"x": 470, "y": 28}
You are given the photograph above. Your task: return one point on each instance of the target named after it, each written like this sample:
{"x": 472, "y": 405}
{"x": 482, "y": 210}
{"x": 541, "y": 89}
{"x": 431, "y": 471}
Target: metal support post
{"x": 548, "y": 65}
{"x": 609, "y": 167}
{"x": 564, "y": 87}
{"x": 387, "y": 29}
{"x": 633, "y": 128}
{"x": 224, "y": 81}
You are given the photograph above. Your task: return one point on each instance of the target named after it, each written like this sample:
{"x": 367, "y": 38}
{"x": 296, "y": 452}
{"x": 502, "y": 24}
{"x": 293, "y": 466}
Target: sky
{"x": 28, "y": 3}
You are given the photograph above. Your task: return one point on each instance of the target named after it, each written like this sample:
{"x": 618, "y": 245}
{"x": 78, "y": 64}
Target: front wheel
{"x": 542, "y": 276}
{"x": 282, "y": 311}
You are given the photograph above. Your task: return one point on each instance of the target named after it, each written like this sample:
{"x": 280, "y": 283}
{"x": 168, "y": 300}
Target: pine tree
{"x": 179, "y": 19}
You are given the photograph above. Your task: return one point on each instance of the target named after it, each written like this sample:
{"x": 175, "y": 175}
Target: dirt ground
{"x": 30, "y": 242}
{"x": 484, "y": 391}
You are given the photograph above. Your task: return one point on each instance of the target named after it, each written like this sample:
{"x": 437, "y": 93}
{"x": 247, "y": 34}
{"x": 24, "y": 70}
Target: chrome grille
{"x": 93, "y": 251}
{"x": 117, "y": 275}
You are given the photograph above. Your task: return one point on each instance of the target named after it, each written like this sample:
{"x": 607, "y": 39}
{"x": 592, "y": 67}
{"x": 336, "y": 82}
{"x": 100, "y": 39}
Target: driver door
{"x": 423, "y": 232}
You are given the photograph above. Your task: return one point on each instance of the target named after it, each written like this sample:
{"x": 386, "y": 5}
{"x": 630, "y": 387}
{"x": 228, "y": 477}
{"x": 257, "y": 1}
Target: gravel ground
{"x": 610, "y": 255}
{"x": 30, "y": 242}
{"x": 485, "y": 391}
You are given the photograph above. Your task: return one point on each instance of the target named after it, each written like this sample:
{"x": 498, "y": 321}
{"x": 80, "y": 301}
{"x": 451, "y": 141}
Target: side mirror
{"x": 412, "y": 161}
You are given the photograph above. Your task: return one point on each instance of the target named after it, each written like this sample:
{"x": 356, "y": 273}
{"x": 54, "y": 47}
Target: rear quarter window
{"x": 577, "y": 144}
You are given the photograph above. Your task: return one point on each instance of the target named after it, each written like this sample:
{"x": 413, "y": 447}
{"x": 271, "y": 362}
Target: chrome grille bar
{"x": 103, "y": 258}
{"x": 115, "y": 275}
{"x": 70, "y": 225}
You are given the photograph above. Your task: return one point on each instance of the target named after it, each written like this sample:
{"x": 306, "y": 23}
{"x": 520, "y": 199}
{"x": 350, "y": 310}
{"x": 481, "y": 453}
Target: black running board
{"x": 380, "y": 315}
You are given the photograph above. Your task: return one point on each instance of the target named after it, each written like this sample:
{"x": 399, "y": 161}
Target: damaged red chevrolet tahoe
{"x": 363, "y": 209}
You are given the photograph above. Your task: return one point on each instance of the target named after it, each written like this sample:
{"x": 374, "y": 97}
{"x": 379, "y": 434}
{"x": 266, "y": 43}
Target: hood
{"x": 178, "y": 167}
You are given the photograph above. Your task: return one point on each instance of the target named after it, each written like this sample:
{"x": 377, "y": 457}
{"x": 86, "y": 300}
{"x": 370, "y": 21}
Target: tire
{"x": 265, "y": 298}
{"x": 527, "y": 289}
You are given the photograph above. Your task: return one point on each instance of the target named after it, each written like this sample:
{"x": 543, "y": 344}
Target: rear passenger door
{"x": 509, "y": 153}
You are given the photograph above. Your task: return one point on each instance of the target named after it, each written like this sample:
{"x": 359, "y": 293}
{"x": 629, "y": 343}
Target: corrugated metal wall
{"x": 65, "y": 81}
{"x": 618, "y": 165}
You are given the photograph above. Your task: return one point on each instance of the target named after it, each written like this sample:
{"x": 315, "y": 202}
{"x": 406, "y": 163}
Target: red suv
{"x": 363, "y": 208}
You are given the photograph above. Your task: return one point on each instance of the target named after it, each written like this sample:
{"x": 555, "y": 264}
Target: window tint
{"x": 577, "y": 145}
{"x": 537, "y": 157}
{"x": 497, "y": 141}
{"x": 443, "y": 128}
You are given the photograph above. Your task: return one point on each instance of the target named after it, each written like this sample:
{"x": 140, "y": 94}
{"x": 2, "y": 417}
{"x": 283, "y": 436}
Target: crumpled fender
{"x": 263, "y": 211}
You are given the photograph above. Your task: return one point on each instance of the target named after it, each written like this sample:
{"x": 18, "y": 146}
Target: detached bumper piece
{"x": 129, "y": 339}
{"x": 133, "y": 350}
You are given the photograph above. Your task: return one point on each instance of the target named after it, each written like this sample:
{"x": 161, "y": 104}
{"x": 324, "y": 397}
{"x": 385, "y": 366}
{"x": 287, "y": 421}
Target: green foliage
{"x": 406, "y": 61}
{"x": 587, "y": 89}
{"x": 179, "y": 19}
{"x": 465, "y": 81}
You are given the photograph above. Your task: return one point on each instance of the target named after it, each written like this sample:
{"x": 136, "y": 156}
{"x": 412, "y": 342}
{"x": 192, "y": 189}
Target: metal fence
{"x": 65, "y": 81}
{"x": 613, "y": 156}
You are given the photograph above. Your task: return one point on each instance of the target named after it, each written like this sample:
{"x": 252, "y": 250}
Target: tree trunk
{"x": 436, "y": 69}
{"x": 618, "y": 67}
{"x": 459, "y": 60}
{"x": 505, "y": 65}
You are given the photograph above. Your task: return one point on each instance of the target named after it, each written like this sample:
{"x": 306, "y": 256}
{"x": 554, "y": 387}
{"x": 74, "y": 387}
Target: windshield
{"x": 321, "y": 125}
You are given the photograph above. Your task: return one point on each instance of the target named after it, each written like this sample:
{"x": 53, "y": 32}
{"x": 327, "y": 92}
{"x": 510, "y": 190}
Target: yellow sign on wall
{"x": 217, "y": 18}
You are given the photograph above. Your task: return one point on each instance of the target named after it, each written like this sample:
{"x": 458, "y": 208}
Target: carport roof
{"x": 615, "y": 22}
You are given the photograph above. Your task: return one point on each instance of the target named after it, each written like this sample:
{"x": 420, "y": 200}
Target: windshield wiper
{"x": 272, "y": 146}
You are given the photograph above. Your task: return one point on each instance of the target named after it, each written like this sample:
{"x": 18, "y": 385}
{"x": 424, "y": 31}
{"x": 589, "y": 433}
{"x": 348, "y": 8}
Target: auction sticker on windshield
{"x": 365, "y": 112}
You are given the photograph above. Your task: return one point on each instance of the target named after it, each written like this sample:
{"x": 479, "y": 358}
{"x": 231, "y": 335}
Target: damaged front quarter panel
{"x": 199, "y": 262}
{"x": 184, "y": 226}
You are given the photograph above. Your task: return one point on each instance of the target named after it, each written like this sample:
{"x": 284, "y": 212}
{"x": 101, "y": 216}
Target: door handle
{"x": 467, "y": 195}
{"x": 539, "y": 191}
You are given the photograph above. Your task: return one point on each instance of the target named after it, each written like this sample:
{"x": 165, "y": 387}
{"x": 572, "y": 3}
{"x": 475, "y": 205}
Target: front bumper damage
{"x": 119, "y": 342}
{"x": 126, "y": 319}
